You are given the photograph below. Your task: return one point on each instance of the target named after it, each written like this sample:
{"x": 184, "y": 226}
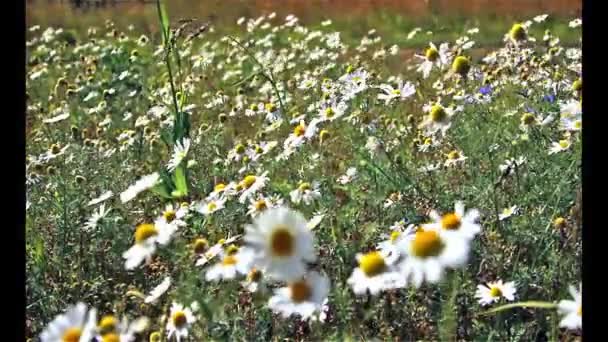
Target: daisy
{"x": 237, "y": 153}
{"x": 303, "y": 296}
{"x": 214, "y": 250}
{"x": 175, "y": 217}
{"x": 428, "y": 252}
{"x": 146, "y": 237}
{"x": 282, "y": 243}
{"x": 180, "y": 151}
{"x": 252, "y": 184}
{"x": 374, "y": 274}
{"x": 234, "y": 261}
{"x": 255, "y": 281}
{"x": 273, "y": 113}
{"x": 433, "y": 57}
{"x": 96, "y": 217}
{"x": 559, "y": 146}
{"x": 180, "y": 320}
{"x": 305, "y": 192}
{"x": 575, "y": 23}
{"x": 76, "y": 324}
{"x": 332, "y": 110}
{"x": 112, "y": 330}
{"x": 402, "y": 92}
{"x": 351, "y": 174}
{"x": 571, "y": 124}
{"x": 104, "y": 197}
{"x": 458, "y": 222}
{"x": 572, "y": 310}
{"x": 301, "y": 133}
{"x": 492, "y": 292}
{"x": 211, "y": 205}
{"x": 158, "y": 291}
{"x": 528, "y": 120}
{"x": 259, "y": 205}
{"x": 512, "y": 164}
{"x": 571, "y": 110}
{"x": 144, "y": 183}
{"x": 354, "y": 83}
{"x": 260, "y": 149}
{"x": 389, "y": 247}
{"x": 438, "y": 119}
{"x": 508, "y": 212}
{"x": 455, "y": 158}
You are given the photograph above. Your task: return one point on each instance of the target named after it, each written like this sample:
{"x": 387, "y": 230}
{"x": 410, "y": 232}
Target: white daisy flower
{"x": 211, "y": 205}
{"x": 105, "y": 196}
{"x": 428, "y": 252}
{"x": 455, "y": 158}
{"x": 559, "y": 146}
{"x": 438, "y": 119}
{"x": 237, "y": 153}
{"x": 575, "y": 23}
{"x": 146, "y": 237}
{"x": 215, "y": 250}
{"x": 402, "y": 92}
{"x": 572, "y": 310}
{"x": 571, "y": 124}
{"x": 77, "y": 324}
{"x": 259, "y": 205}
{"x": 158, "y": 291}
{"x": 252, "y": 184}
{"x": 508, "y": 212}
{"x": 301, "y": 133}
{"x": 180, "y": 151}
{"x": 332, "y": 110}
{"x": 111, "y": 330}
{"x": 235, "y": 261}
{"x": 540, "y": 18}
{"x": 351, "y": 174}
{"x": 96, "y": 217}
{"x": 305, "y": 192}
{"x": 282, "y": 243}
{"x": 458, "y": 222}
{"x": 434, "y": 57}
{"x": 374, "y": 274}
{"x": 511, "y": 164}
{"x": 493, "y": 291}
{"x": 255, "y": 281}
{"x": 303, "y": 296}
{"x": 175, "y": 217}
{"x": 571, "y": 109}
{"x": 144, "y": 183}
{"x": 181, "y": 318}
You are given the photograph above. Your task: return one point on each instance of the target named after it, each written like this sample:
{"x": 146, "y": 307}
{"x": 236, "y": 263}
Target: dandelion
{"x": 305, "y": 192}
{"x": 180, "y": 151}
{"x": 158, "y": 291}
{"x": 77, "y": 324}
{"x": 144, "y": 183}
{"x": 180, "y": 320}
{"x": 493, "y": 291}
{"x": 572, "y": 310}
{"x": 303, "y": 296}
{"x": 508, "y": 212}
{"x": 402, "y": 92}
{"x": 428, "y": 252}
{"x": 374, "y": 274}
{"x": 282, "y": 243}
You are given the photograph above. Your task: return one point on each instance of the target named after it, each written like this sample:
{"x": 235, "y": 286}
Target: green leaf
{"x": 179, "y": 178}
{"x": 161, "y": 190}
{"x": 164, "y": 21}
{"x": 528, "y": 304}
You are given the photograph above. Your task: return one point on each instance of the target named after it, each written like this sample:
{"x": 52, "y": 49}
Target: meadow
{"x": 271, "y": 178}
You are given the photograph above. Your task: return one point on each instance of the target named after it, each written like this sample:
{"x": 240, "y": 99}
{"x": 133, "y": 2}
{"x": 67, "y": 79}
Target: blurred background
{"x": 393, "y": 19}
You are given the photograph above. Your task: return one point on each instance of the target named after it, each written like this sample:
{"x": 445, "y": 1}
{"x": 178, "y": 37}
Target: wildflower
{"x": 493, "y": 291}
{"x": 428, "y": 252}
{"x": 438, "y": 118}
{"x": 234, "y": 261}
{"x": 261, "y": 203}
{"x": 281, "y": 242}
{"x": 458, "y": 222}
{"x": 179, "y": 321}
{"x": 211, "y": 205}
{"x": 461, "y": 65}
{"x": 374, "y": 274}
{"x": 305, "y": 192}
{"x": 559, "y": 146}
{"x": 255, "y": 281}
{"x": 252, "y": 184}
{"x": 303, "y": 296}
{"x": 96, "y": 217}
{"x": 575, "y": 23}
{"x": 77, "y": 324}
{"x": 559, "y": 222}
{"x": 402, "y": 92}
{"x": 158, "y": 291}
{"x": 455, "y": 157}
{"x": 144, "y": 183}
{"x": 572, "y": 310}
{"x": 237, "y": 153}
{"x": 112, "y": 330}
{"x": 180, "y": 151}
{"x": 351, "y": 174}
{"x": 508, "y": 212}
{"x": 518, "y": 33}
{"x": 146, "y": 237}
{"x": 332, "y": 110}
{"x": 528, "y": 120}
{"x": 433, "y": 57}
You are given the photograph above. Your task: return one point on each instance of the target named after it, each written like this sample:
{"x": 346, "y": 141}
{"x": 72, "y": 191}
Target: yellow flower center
{"x": 580, "y": 311}
{"x": 304, "y": 186}
{"x": 219, "y": 187}
{"x": 229, "y": 260}
{"x": 271, "y": 107}
{"x": 258, "y": 149}
{"x": 495, "y": 292}
{"x": 578, "y": 124}
{"x": 453, "y": 155}
{"x": 144, "y": 232}
{"x": 395, "y": 235}
{"x": 329, "y": 112}
{"x": 518, "y": 32}
{"x": 299, "y": 130}
{"x": 432, "y": 54}
{"x": 438, "y": 113}
{"x": 240, "y": 148}
{"x": 528, "y": 119}
{"x": 232, "y": 249}
{"x": 155, "y": 337}
{"x": 282, "y": 241}
{"x": 254, "y": 275}
{"x": 248, "y": 181}
{"x": 211, "y": 206}
{"x": 372, "y": 264}
{"x": 112, "y": 337}
{"x": 107, "y": 324}
{"x": 253, "y": 107}
{"x": 55, "y": 149}
{"x": 428, "y": 141}
{"x": 564, "y": 144}
{"x": 260, "y": 205}
{"x": 300, "y": 291}
{"x": 169, "y": 216}
{"x": 426, "y": 243}
{"x": 559, "y": 222}
{"x": 179, "y": 319}
{"x": 577, "y": 85}
{"x": 396, "y": 92}
{"x": 450, "y": 221}
{"x": 461, "y": 65}
{"x": 72, "y": 335}
{"x": 200, "y": 246}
